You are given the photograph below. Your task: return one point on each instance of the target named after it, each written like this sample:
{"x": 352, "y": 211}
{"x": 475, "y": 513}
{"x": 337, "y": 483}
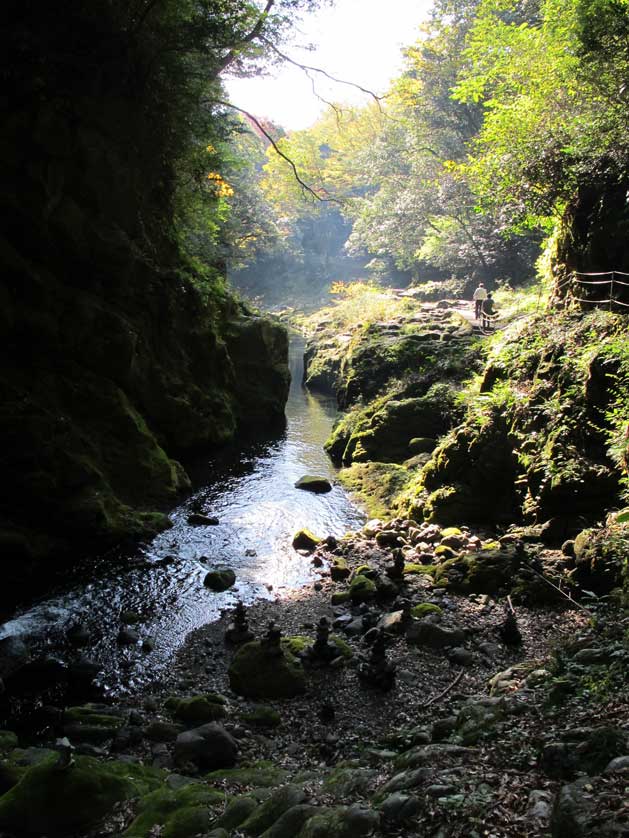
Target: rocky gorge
{"x": 437, "y": 678}
{"x": 454, "y": 666}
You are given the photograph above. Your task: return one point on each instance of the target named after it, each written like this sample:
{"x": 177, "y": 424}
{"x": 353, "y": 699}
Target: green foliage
{"x": 548, "y": 78}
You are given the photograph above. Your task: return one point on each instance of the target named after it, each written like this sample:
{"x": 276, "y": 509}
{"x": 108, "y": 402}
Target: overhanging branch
{"x": 279, "y": 151}
{"x": 307, "y": 68}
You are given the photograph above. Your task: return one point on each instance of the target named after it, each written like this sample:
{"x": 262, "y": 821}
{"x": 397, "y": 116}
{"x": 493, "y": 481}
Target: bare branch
{"x": 308, "y": 68}
{"x": 279, "y": 151}
{"x": 338, "y": 112}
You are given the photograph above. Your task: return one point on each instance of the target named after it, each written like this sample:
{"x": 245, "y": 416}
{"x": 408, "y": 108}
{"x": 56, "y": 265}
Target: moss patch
{"x": 262, "y": 716}
{"x": 425, "y": 608}
{"x": 262, "y": 774}
{"x": 376, "y": 486}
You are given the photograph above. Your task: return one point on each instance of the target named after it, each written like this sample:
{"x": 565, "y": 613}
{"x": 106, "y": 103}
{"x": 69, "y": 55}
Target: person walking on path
{"x": 488, "y": 311}
{"x": 479, "y": 296}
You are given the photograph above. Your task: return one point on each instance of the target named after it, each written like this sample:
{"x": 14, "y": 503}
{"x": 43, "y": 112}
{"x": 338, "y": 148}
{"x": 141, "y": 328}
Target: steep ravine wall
{"x": 115, "y": 359}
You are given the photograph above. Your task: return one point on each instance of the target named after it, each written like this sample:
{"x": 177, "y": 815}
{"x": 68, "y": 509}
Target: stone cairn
{"x": 238, "y": 630}
{"x": 395, "y": 572}
{"x": 405, "y": 607}
{"x": 321, "y": 651}
{"x": 273, "y": 640}
{"x": 65, "y": 759}
{"x": 508, "y": 630}
{"x": 377, "y": 671}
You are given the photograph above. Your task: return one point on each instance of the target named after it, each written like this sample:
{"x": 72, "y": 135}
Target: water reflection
{"x": 251, "y": 491}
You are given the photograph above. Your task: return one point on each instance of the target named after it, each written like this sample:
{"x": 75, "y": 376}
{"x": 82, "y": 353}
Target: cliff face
{"x": 115, "y": 357}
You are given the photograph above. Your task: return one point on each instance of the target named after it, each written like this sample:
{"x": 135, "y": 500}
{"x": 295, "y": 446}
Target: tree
{"x": 422, "y": 209}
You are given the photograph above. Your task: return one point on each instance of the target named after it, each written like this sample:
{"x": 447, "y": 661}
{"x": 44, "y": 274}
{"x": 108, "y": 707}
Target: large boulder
{"x": 428, "y": 633}
{"x": 280, "y": 801}
{"x": 209, "y": 747}
{"x": 471, "y": 476}
{"x": 485, "y": 572}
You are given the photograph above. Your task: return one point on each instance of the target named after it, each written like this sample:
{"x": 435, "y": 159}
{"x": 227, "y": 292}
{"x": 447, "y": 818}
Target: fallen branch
{"x": 446, "y": 691}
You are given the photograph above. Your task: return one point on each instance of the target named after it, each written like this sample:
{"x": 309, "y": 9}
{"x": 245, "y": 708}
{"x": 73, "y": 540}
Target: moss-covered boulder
{"x": 342, "y": 822}
{"x": 421, "y": 445}
{"x": 260, "y": 671}
{"x": 236, "y": 813}
{"x": 349, "y": 781}
{"x": 209, "y": 746}
{"x": 220, "y": 580}
{"x": 93, "y": 723}
{"x": 289, "y": 824}
{"x": 484, "y": 572}
{"x": 339, "y": 569}
{"x": 362, "y": 589}
{"x": 602, "y": 557}
{"x": 49, "y": 801}
{"x": 262, "y": 774}
{"x": 197, "y": 709}
{"x": 177, "y": 813}
{"x": 264, "y": 816}
{"x": 312, "y": 483}
{"x": 322, "y": 363}
{"x": 471, "y": 476}
{"x": 384, "y": 434}
{"x": 305, "y": 540}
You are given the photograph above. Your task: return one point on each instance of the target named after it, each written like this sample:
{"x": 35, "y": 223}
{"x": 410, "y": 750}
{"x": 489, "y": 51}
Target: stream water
{"x": 251, "y": 491}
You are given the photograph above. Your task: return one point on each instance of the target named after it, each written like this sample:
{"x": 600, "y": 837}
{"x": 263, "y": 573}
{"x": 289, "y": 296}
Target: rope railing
{"x": 576, "y": 278}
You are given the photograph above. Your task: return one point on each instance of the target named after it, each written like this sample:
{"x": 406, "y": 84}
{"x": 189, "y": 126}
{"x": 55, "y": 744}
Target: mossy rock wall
{"x": 383, "y": 430}
{"x": 117, "y": 358}
{"x": 536, "y": 442}
{"x": 362, "y": 364}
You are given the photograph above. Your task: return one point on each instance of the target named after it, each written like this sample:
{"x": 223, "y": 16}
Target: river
{"x": 251, "y": 491}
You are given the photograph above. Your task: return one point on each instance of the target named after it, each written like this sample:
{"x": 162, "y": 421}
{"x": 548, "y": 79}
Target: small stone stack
{"x": 377, "y": 671}
{"x": 238, "y": 631}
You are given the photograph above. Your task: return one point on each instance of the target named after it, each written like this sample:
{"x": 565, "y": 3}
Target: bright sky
{"x": 356, "y": 40}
